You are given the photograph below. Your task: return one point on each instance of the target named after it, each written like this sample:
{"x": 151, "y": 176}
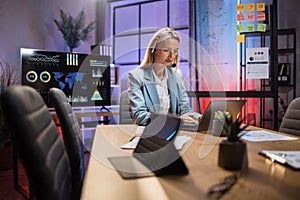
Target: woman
{"x": 157, "y": 85}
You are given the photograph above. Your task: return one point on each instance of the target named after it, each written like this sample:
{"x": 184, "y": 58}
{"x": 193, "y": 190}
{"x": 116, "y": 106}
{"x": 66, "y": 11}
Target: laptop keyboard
{"x": 188, "y": 127}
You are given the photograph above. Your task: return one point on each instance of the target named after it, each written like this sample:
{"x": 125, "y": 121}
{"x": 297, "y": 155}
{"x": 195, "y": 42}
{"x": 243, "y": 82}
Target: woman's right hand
{"x": 189, "y": 118}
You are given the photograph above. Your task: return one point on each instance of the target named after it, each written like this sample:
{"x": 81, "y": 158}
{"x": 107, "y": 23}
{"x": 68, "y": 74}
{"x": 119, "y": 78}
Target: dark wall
{"x": 288, "y": 17}
{"x": 29, "y": 23}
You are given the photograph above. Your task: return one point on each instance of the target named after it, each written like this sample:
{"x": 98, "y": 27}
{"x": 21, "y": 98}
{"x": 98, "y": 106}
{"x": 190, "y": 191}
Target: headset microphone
{"x": 173, "y": 65}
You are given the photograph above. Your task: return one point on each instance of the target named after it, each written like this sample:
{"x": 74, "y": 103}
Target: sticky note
{"x": 240, "y": 28}
{"x": 240, "y": 38}
{"x": 240, "y": 7}
{"x": 240, "y": 17}
{"x": 250, "y": 28}
{"x": 260, "y": 6}
{"x": 261, "y": 27}
{"x": 250, "y": 17}
{"x": 250, "y": 7}
{"x": 260, "y": 16}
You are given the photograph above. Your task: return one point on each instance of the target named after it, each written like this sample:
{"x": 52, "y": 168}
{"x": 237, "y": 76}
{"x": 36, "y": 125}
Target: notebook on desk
{"x": 155, "y": 154}
{"x": 287, "y": 158}
{"x": 205, "y": 122}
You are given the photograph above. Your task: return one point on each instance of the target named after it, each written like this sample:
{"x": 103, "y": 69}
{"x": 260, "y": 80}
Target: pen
{"x": 278, "y": 158}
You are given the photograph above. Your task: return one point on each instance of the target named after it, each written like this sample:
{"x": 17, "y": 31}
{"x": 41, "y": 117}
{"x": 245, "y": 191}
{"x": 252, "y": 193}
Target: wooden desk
{"x": 262, "y": 180}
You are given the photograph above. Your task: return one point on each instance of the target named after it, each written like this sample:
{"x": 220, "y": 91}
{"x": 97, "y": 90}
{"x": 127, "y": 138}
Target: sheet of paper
{"x": 132, "y": 144}
{"x": 240, "y": 38}
{"x": 261, "y": 16}
{"x": 257, "y": 63}
{"x": 250, "y": 28}
{"x": 250, "y": 7}
{"x": 262, "y": 136}
{"x": 139, "y": 130}
{"x": 240, "y": 7}
{"x": 240, "y": 17}
{"x": 240, "y": 28}
{"x": 261, "y": 27}
{"x": 260, "y": 6}
{"x": 180, "y": 140}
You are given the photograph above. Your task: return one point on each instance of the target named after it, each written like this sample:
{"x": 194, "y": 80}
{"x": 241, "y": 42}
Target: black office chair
{"x": 291, "y": 121}
{"x": 124, "y": 109}
{"x": 72, "y": 138}
{"x": 38, "y": 144}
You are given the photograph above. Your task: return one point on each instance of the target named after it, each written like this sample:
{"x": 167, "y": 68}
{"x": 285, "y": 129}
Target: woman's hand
{"x": 189, "y": 118}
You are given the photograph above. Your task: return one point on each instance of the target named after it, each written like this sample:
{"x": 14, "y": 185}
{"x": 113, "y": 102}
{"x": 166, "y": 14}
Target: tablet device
{"x": 155, "y": 154}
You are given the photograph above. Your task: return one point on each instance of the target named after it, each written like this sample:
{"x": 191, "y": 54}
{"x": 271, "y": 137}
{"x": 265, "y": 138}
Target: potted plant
{"x": 73, "y": 29}
{"x": 233, "y": 151}
{"x": 218, "y": 123}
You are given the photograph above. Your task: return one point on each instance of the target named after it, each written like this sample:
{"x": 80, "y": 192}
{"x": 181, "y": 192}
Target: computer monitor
{"x": 84, "y": 78}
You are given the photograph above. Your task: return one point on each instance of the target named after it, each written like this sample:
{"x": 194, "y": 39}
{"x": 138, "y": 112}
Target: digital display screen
{"x": 84, "y": 78}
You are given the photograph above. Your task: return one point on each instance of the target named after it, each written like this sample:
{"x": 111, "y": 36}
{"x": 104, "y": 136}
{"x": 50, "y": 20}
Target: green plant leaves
{"x": 73, "y": 29}
{"x": 231, "y": 128}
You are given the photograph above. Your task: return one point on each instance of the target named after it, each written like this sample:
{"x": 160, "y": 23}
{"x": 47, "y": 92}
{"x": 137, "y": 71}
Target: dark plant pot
{"x": 6, "y": 155}
{"x": 233, "y": 155}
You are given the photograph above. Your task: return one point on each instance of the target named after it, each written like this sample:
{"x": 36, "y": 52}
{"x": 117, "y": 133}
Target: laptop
{"x": 155, "y": 153}
{"x": 205, "y": 122}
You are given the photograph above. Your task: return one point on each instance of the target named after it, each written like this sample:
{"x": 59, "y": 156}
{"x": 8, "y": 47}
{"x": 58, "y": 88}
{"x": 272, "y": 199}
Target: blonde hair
{"x": 158, "y": 37}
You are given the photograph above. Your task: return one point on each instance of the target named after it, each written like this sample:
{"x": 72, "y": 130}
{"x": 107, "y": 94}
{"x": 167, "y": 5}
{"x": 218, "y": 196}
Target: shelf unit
{"x": 286, "y": 74}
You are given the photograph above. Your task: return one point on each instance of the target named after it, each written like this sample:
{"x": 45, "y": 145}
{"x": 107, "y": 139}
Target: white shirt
{"x": 163, "y": 94}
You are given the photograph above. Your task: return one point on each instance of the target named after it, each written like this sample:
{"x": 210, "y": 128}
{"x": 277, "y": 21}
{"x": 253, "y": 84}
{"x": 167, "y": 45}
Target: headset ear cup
{"x": 154, "y": 46}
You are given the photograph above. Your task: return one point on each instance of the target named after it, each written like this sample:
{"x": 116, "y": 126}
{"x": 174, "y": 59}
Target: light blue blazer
{"x": 144, "y": 98}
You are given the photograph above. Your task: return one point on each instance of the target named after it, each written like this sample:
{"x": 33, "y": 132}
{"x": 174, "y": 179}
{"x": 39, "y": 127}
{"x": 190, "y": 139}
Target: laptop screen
{"x": 232, "y": 106}
{"x": 205, "y": 122}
